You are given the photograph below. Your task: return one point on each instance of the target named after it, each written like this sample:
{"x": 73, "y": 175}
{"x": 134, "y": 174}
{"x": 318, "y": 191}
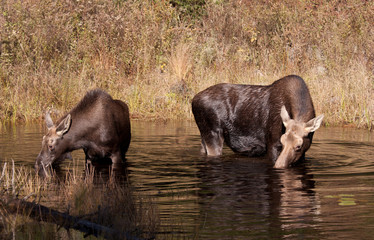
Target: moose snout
{"x": 51, "y": 148}
{"x": 298, "y": 145}
{"x": 297, "y": 148}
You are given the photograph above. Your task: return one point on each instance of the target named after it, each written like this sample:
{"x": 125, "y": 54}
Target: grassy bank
{"x": 155, "y": 55}
{"x": 86, "y": 196}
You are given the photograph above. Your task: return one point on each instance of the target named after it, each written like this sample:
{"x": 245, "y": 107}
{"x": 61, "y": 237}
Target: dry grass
{"x": 156, "y": 56}
{"x": 105, "y": 202}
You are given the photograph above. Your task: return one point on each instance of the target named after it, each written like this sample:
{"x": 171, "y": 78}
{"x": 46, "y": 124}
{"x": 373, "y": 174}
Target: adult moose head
{"x": 295, "y": 139}
{"x": 98, "y": 124}
{"x": 277, "y": 120}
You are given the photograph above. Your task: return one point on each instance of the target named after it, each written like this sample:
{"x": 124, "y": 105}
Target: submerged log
{"x": 42, "y": 213}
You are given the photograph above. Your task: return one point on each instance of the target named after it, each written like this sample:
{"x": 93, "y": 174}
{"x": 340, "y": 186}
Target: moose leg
{"x": 212, "y": 143}
{"x": 116, "y": 157}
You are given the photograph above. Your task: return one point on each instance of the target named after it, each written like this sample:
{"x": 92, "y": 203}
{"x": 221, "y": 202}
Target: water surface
{"x": 331, "y": 196}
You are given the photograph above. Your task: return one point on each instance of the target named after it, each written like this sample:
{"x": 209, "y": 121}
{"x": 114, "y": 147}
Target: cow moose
{"x": 98, "y": 124}
{"x": 277, "y": 120}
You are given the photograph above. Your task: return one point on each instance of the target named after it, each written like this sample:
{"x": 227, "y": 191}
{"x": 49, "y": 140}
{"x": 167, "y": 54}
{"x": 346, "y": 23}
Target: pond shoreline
{"x": 137, "y": 118}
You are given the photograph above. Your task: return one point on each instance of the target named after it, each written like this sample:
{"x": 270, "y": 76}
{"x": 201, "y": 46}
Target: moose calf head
{"x": 295, "y": 141}
{"x": 53, "y": 146}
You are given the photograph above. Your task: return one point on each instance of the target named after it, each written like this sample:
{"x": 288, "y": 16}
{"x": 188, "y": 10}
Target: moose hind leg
{"x": 212, "y": 143}
{"x": 116, "y": 157}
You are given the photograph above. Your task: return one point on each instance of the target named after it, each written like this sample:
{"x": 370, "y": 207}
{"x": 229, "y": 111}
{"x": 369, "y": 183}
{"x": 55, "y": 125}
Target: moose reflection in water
{"x": 237, "y": 190}
{"x": 98, "y": 124}
{"x": 278, "y": 119}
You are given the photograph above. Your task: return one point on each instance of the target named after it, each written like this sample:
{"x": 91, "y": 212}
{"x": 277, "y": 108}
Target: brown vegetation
{"x": 81, "y": 201}
{"x": 155, "y": 55}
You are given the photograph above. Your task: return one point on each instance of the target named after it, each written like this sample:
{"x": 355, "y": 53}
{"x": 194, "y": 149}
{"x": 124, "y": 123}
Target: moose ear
{"x": 64, "y": 126}
{"x": 313, "y": 124}
{"x": 48, "y": 120}
{"x": 285, "y": 116}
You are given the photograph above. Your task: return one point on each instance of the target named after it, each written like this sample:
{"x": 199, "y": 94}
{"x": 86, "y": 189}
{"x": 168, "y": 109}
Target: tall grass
{"x": 156, "y": 55}
{"x": 82, "y": 194}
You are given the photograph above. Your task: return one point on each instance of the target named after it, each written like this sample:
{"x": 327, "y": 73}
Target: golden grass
{"x": 156, "y": 57}
{"x": 82, "y": 194}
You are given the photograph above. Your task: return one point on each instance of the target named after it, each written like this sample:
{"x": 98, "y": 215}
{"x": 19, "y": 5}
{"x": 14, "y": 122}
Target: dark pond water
{"x": 331, "y": 196}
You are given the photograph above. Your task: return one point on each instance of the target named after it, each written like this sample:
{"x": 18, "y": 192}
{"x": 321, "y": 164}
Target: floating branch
{"x": 43, "y": 213}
